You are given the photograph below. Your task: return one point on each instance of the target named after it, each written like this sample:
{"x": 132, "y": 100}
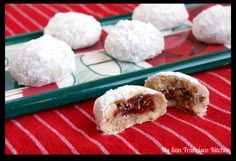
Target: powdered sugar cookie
{"x": 213, "y": 25}
{"x": 182, "y": 91}
{"x": 42, "y": 61}
{"x": 126, "y": 106}
{"x": 78, "y": 30}
{"x": 163, "y": 16}
{"x": 134, "y": 41}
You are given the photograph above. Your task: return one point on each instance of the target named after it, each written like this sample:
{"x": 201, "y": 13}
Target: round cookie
{"x": 42, "y": 61}
{"x": 126, "y": 106}
{"x": 213, "y": 25}
{"x": 134, "y": 41}
{"x": 163, "y": 16}
{"x": 78, "y": 30}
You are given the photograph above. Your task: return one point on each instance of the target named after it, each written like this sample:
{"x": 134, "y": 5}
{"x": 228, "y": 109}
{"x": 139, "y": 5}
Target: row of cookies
{"x": 50, "y": 58}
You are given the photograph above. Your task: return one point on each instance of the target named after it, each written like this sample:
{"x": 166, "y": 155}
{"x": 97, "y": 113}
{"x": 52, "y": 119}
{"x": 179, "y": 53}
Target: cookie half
{"x": 126, "y": 106}
{"x": 182, "y": 91}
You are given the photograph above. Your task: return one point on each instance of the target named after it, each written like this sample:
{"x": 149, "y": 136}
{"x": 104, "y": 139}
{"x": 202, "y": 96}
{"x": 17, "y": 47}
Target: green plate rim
{"x": 67, "y": 95}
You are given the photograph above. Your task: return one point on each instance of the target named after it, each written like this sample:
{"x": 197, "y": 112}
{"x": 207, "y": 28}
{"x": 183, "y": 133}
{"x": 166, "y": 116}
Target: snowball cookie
{"x": 42, "y": 61}
{"x": 163, "y": 16}
{"x": 134, "y": 41}
{"x": 213, "y": 25}
{"x": 77, "y": 29}
{"x": 126, "y": 106}
{"x": 182, "y": 91}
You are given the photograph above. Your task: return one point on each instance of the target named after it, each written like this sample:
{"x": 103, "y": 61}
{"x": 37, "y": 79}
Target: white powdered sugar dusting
{"x": 163, "y": 16}
{"x": 213, "y": 25}
{"x": 123, "y": 92}
{"x": 111, "y": 121}
{"x": 134, "y": 41}
{"x": 78, "y": 30}
{"x": 42, "y": 61}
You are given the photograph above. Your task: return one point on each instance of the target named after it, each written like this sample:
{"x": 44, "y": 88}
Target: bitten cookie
{"x": 182, "y": 91}
{"x": 126, "y": 106}
{"x": 163, "y": 16}
{"x": 134, "y": 41}
{"x": 42, "y": 61}
{"x": 213, "y": 25}
{"x": 78, "y": 30}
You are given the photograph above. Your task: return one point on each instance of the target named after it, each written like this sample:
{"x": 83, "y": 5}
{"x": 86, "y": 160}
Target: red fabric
{"x": 71, "y": 129}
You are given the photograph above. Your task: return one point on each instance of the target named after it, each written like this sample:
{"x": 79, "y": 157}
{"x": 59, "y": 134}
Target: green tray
{"x": 82, "y": 91}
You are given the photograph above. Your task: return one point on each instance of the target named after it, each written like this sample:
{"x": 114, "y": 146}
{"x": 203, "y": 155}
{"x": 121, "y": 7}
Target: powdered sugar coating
{"x": 134, "y": 41}
{"x": 213, "y": 25}
{"x": 105, "y": 106}
{"x": 127, "y": 91}
{"x": 78, "y": 30}
{"x": 163, "y": 16}
{"x": 42, "y": 61}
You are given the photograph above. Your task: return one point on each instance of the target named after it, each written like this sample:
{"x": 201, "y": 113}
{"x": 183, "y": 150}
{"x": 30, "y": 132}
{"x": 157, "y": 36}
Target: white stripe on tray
{"x": 182, "y": 138}
{"x": 60, "y": 136}
{"x": 100, "y": 146}
{"x": 11, "y": 148}
{"x": 26, "y": 16}
{"x": 156, "y": 142}
{"x": 17, "y": 22}
{"x": 219, "y": 76}
{"x": 38, "y": 11}
{"x": 13, "y": 94}
{"x": 216, "y": 123}
{"x": 201, "y": 130}
{"x": 107, "y": 9}
{"x": 215, "y": 90}
{"x": 31, "y": 136}
{"x": 116, "y": 135}
{"x": 220, "y": 109}
{"x": 14, "y": 91}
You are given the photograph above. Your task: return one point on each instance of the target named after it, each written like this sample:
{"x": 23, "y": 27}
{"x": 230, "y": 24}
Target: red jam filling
{"x": 137, "y": 104}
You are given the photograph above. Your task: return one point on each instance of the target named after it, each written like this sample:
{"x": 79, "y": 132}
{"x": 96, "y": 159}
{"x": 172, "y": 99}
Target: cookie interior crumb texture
{"x": 42, "y": 61}
{"x": 126, "y": 106}
{"x": 78, "y": 30}
{"x": 134, "y": 41}
{"x": 213, "y": 25}
{"x": 163, "y": 16}
{"x": 182, "y": 91}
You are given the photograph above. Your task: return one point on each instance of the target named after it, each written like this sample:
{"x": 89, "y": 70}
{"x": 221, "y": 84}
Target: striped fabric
{"x": 71, "y": 129}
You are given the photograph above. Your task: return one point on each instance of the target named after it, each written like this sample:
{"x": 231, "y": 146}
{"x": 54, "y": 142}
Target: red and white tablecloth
{"x": 71, "y": 129}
